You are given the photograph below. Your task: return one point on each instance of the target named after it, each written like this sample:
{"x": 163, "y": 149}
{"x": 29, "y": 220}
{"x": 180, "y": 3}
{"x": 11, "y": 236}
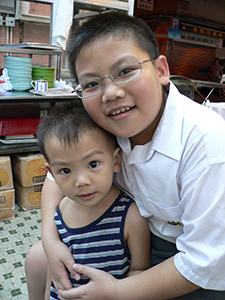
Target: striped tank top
{"x": 100, "y": 244}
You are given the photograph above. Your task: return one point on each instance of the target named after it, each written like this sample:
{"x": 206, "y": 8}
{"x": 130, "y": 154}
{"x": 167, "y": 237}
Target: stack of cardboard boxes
{"x": 28, "y": 174}
{"x": 7, "y": 192}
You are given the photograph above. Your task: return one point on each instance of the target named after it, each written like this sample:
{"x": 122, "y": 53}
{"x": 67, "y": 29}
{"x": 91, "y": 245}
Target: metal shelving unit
{"x": 36, "y": 50}
{"x": 101, "y": 6}
{"x": 24, "y": 97}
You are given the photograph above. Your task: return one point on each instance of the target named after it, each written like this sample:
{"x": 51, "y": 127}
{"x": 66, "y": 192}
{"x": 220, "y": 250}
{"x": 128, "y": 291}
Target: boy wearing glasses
{"x": 173, "y": 162}
{"x": 99, "y": 223}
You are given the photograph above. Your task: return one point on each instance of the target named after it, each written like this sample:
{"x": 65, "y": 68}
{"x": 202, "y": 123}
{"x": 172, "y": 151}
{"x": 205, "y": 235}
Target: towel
{"x": 63, "y": 19}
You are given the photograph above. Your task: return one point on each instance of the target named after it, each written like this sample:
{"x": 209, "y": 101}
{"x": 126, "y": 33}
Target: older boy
{"x": 173, "y": 162}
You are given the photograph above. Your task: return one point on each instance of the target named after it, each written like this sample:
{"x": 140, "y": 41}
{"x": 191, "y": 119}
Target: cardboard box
{"x": 6, "y": 179}
{"x": 29, "y": 169}
{"x": 7, "y": 204}
{"x": 28, "y": 197}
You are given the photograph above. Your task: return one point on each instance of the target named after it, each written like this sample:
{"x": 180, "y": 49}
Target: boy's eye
{"x": 93, "y": 164}
{"x": 90, "y": 84}
{"x": 126, "y": 71}
{"x": 65, "y": 171}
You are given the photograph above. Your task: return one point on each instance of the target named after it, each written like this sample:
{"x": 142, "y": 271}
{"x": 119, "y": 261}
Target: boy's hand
{"x": 61, "y": 262}
{"x": 100, "y": 286}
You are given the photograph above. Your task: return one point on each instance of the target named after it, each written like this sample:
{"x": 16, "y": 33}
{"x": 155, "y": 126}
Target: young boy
{"x": 99, "y": 224}
{"x": 173, "y": 162}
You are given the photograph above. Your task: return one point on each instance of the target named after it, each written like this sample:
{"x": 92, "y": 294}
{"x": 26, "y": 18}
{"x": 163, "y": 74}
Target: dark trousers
{"x": 160, "y": 251}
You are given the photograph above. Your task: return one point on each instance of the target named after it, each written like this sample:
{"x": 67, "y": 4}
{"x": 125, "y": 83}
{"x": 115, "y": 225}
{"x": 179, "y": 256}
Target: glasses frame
{"x": 78, "y": 87}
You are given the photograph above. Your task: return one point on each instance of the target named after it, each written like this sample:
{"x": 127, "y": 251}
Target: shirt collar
{"x": 167, "y": 137}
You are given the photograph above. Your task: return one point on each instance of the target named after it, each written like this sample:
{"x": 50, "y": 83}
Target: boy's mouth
{"x": 121, "y": 110}
{"x": 86, "y": 196}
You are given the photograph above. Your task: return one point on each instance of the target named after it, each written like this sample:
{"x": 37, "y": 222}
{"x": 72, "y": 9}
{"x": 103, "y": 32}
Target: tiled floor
{"x": 16, "y": 237}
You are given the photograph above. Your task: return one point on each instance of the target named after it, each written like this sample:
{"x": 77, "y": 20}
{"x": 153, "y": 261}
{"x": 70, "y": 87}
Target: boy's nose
{"x": 112, "y": 91}
{"x": 82, "y": 180}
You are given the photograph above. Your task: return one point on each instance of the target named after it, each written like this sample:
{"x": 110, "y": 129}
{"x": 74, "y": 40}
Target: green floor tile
{"x": 17, "y": 236}
{"x": 16, "y": 292}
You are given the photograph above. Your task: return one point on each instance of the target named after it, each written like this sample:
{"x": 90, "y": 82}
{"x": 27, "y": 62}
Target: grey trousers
{"x": 160, "y": 251}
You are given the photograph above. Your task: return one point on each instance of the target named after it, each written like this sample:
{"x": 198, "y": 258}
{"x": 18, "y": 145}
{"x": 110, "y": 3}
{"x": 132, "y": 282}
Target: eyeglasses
{"x": 122, "y": 74}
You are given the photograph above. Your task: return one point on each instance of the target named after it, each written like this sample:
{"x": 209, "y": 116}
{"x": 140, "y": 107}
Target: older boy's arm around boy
{"x": 51, "y": 241}
{"x": 162, "y": 281}
{"x": 36, "y": 269}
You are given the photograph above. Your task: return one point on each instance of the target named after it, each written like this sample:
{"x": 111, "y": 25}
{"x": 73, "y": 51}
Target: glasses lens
{"x": 89, "y": 87}
{"x": 126, "y": 72}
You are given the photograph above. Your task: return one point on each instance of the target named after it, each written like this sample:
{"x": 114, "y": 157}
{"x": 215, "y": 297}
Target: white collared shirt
{"x": 178, "y": 182}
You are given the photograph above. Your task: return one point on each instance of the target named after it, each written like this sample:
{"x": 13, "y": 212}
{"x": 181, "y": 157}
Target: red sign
{"x": 161, "y": 35}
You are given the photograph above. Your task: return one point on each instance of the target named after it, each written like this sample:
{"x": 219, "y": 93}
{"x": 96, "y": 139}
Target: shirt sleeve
{"x": 201, "y": 256}
{"x": 50, "y": 177}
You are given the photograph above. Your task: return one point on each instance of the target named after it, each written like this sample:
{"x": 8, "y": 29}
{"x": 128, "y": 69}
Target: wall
{"x": 185, "y": 57}
{"x": 210, "y": 10}
{"x": 160, "y": 7}
{"x": 39, "y": 9}
{"x": 28, "y": 32}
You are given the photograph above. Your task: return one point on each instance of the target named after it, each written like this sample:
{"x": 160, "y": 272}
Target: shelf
{"x": 39, "y": 50}
{"x": 15, "y": 148}
{"x": 31, "y": 50}
{"x": 22, "y": 97}
{"x": 109, "y": 4}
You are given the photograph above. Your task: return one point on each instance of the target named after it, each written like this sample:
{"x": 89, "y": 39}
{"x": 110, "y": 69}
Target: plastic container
{"x": 18, "y": 126}
{"x": 46, "y": 73}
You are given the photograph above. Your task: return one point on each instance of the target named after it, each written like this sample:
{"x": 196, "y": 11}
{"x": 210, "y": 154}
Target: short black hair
{"x": 113, "y": 23}
{"x": 67, "y": 121}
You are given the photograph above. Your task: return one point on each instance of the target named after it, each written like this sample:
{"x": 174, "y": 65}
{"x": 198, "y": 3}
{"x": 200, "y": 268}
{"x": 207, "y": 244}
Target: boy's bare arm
{"x": 58, "y": 255}
{"x": 137, "y": 236}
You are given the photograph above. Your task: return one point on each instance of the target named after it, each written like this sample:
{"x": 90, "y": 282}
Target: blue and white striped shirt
{"x": 100, "y": 244}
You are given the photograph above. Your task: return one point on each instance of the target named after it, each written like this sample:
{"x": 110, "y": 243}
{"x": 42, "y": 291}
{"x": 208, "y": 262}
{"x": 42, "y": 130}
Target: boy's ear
{"x": 163, "y": 69}
{"x": 117, "y": 160}
{"x": 47, "y": 167}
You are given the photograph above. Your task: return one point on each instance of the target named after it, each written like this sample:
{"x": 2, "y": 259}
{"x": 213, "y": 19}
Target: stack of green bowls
{"x": 46, "y": 73}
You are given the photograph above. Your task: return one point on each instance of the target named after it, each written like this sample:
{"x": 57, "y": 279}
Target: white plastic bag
{"x": 6, "y": 84}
